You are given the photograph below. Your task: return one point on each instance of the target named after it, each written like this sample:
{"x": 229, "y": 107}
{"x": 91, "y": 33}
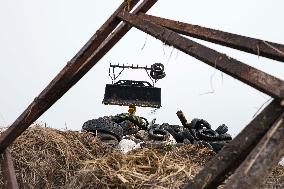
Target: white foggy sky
{"x": 37, "y": 38}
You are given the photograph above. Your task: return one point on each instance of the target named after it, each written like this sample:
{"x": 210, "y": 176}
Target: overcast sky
{"x": 37, "y": 38}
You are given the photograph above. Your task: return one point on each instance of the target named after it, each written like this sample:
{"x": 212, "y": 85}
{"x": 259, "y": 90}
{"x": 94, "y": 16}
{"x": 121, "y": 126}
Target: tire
{"x": 108, "y": 139}
{"x": 157, "y": 71}
{"x": 222, "y": 129}
{"x": 225, "y": 137}
{"x": 141, "y": 122}
{"x": 174, "y": 130}
{"x": 159, "y": 134}
{"x": 104, "y": 125}
{"x": 194, "y": 133}
{"x": 144, "y": 126}
{"x": 192, "y": 124}
{"x": 217, "y": 146}
{"x": 204, "y": 144}
{"x": 199, "y": 124}
{"x": 187, "y": 135}
{"x": 208, "y": 135}
{"x": 128, "y": 127}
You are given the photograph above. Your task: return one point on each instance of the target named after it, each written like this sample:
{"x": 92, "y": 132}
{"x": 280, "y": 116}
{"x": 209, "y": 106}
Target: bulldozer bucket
{"x": 125, "y": 94}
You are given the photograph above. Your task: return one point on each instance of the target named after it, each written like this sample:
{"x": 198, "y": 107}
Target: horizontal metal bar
{"x": 255, "y": 78}
{"x": 130, "y": 67}
{"x": 247, "y": 44}
{"x": 8, "y": 171}
{"x": 231, "y": 156}
{"x": 87, "y": 57}
{"x": 260, "y": 162}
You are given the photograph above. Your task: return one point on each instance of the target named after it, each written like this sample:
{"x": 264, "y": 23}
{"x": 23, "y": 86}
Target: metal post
{"x": 8, "y": 171}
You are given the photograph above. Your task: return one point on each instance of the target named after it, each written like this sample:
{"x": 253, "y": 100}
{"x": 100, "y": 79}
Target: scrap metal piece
{"x": 86, "y": 58}
{"x": 256, "y": 78}
{"x": 8, "y": 171}
{"x": 182, "y": 119}
{"x": 260, "y": 162}
{"x": 247, "y": 44}
{"x": 221, "y": 166}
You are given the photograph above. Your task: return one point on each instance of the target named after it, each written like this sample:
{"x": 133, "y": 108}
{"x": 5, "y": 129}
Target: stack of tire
{"x": 199, "y": 131}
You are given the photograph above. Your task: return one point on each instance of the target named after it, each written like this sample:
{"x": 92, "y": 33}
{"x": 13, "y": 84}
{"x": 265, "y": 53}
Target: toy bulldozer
{"x": 137, "y": 93}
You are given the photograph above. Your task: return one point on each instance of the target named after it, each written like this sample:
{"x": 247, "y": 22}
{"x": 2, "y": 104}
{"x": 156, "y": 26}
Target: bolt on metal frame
{"x": 254, "y": 146}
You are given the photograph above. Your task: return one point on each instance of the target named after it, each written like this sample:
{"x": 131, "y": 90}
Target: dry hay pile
{"x": 49, "y": 158}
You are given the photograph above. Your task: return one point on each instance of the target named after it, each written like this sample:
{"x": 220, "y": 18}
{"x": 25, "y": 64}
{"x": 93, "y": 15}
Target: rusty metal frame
{"x": 232, "y": 155}
{"x": 260, "y": 134}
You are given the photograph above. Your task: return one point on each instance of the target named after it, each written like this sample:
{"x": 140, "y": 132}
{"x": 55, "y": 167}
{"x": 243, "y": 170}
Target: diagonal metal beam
{"x": 247, "y": 44}
{"x": 260, "y": 162}
{"x": 247, "y": 74}
{"x": 231, "y": 156}
{"x": 84, "y": 60}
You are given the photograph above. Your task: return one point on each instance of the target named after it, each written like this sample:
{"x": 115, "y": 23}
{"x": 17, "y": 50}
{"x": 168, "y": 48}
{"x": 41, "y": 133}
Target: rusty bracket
{"x": 9, "y": 175}
{"x": 85, "y": 59}
{"x": 255, "y": 78}
{"x": 247, "y": 44}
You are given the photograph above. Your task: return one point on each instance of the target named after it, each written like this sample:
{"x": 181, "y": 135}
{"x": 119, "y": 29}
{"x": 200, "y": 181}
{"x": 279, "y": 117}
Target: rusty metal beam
{"x": 260, "y": 162}
{"x": 247, "y": 44}
{"x": 231, "y": 156}
{"x": 182, "y": 119}
{"x": 8, "y": 171}
{"x": 83, "y": 61}
{"x": 247, "y": 74}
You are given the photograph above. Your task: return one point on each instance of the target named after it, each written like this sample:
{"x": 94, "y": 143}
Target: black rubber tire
{"x": 225, "y": 137}
{"x": 128, "y": 130}
{"x": 134, "y": 119}
{"x": 192, "y": 124}
{"x": 204, "y": 144}
{"x": 217, "y": 146}
{"x": 159, "y": 134}
{"x": 199, "y": 124}
{"x": 178, "y": 136}
{"x": 187, "y": 135}
{"x": 194, "y": 133}
{"x": 104, "y": 125}
{"x": 222, "y": 129}
{"x": 157, "y": 71}
{"x": 174, "y": 130}
{"x": 208, "y": 135}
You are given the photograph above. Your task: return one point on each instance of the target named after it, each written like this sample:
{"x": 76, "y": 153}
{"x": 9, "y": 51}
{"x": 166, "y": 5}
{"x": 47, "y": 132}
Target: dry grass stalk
{"x": 49, "y": 158}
